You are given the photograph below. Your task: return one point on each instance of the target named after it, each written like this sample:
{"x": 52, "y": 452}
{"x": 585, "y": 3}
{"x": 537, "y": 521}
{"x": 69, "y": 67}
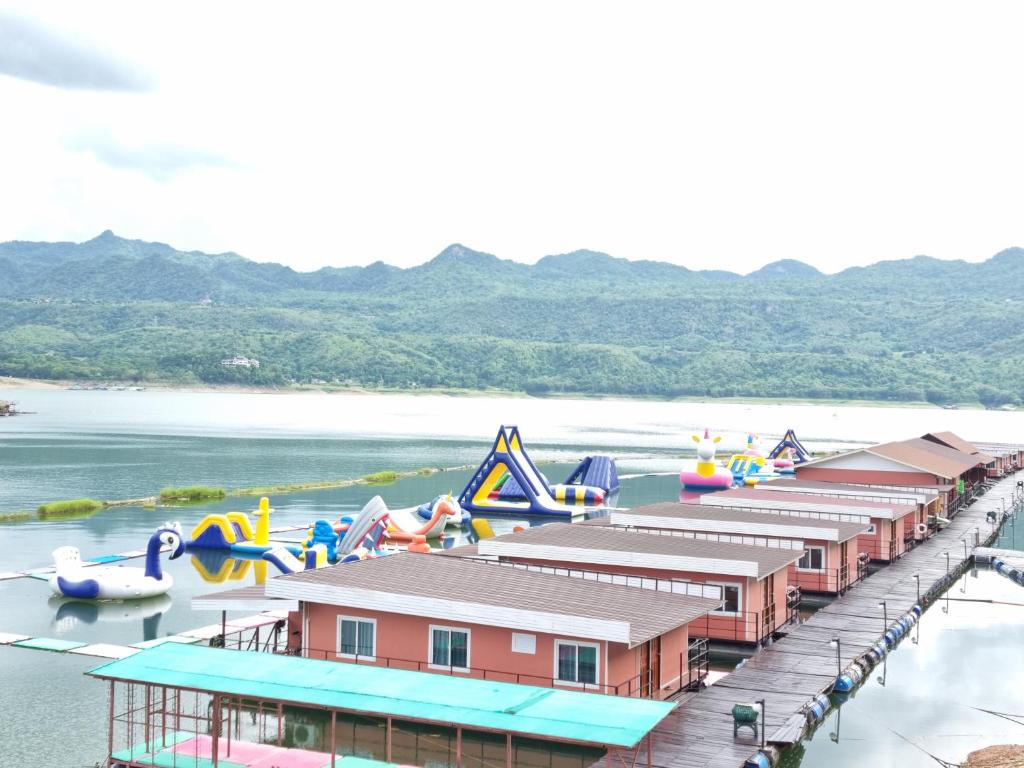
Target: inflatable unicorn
{"x": 73, "y": 578}
{"x": 706, "y": 474}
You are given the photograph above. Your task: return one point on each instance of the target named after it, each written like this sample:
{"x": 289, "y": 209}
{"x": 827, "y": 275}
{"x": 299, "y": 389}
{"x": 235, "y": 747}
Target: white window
{"x": 732, "y": 594}
{"x": 523, "y": 643}
{"x": 576, "y": 663}
{"x": 357, "y": 638}
{"x": 449, "y": 648}
{"x": 813, "y": 559}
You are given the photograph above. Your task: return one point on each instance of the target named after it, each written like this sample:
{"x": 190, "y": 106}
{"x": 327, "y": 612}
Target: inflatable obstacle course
{"x": 595, "y": 472}
{"x": 792, "y": 444}
{"x": 508, "y": 462}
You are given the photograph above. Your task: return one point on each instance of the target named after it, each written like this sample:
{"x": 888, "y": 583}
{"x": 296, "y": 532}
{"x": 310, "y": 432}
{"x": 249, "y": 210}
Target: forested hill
{"x": 916, "y": 329}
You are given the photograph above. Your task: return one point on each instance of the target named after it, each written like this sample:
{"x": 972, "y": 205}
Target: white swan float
{"x": 73, "y": 578}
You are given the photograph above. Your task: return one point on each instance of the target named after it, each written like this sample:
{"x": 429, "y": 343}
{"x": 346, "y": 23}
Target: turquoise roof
{"x": 544, "y": 713}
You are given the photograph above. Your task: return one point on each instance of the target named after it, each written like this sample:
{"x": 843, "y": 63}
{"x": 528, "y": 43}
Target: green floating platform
{"x": 544, "y": 713}
{"x": 49, "y": 644}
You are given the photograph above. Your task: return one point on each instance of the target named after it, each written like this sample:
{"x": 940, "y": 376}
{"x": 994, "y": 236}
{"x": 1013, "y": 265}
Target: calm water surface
{"x": 112, "y": 445}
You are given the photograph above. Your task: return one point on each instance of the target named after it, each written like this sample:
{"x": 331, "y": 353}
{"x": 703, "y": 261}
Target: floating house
{"x": 1009, "y": 457}
{"x": 927, "y": 503}
{"x": 186, "y": 705}
{"x": 829, "y": 563}
{"x": 475, "y": 619}
{"x": 754, "y": 579}
{"x": 918, "y": 462}
{"x": 952, "y": 440}
{"x": 890, "y": 525}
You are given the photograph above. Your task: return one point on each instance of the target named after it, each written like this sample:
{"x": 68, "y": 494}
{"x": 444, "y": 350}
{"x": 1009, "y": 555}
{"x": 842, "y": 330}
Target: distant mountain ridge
{"x": 578, "y": 322}
{"x": 111, "y": 267}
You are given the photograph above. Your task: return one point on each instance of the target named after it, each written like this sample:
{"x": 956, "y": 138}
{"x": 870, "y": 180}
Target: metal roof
{"x": 925, "y": 455}
{"x": 251, "y": 598}
{"x": 677, "y": 516}
{"x": 783, "y": 500}
{"x": 459, "y": 589}
{"x": 606, "y": 546}
{"x": 525, "y": 710}
{"x": 930, "y": 494}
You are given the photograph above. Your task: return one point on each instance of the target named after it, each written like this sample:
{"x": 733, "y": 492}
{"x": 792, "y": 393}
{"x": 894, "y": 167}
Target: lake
{"x": 112, "y": 445}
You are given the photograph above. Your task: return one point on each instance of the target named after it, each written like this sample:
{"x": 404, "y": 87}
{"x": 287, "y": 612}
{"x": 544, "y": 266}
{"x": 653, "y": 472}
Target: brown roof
{"x": 649, "y": 613}
{"x": 740, "y": 494}
{"x": 940, "y": 460}
{"x": 952, "y": 440}
{"x": 683, "y": 512}
{"x": 826, "y": 486}
{"x": 253, "y": 598}
{"x": 612, "y": 542}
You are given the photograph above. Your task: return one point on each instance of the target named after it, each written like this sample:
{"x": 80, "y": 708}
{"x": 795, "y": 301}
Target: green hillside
{"x": 917, "y": 329}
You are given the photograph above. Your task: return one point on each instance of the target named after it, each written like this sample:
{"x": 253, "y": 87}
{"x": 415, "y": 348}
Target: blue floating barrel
{"x": 819, "y": 706}
{"x": 758, "y": 760}
{"x": 844, "y": 683}
{"x": 917, "y": 610}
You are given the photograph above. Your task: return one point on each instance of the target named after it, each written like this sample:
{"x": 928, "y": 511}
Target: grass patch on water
{"x": 380, "y": 478}
{"x": 191, "y": 494}
{"x": 62, "y": 510}
{"x": 15, "y": 517}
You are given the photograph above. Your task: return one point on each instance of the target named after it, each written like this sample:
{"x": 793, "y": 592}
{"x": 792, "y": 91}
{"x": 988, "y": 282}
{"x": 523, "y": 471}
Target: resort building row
{"x": 626, "y": 604}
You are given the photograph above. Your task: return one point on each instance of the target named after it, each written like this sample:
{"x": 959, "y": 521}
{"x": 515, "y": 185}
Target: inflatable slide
{"x": 508, "y": 461}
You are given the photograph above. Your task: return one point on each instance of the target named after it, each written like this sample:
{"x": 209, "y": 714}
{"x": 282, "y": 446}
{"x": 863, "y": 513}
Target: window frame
{"x": 430, "y": 647}
{"x": 578, "y": 644}
{"x": 739, "y": 598}
{"x": 807, "y": 552}
{"x": 356, "y": 656}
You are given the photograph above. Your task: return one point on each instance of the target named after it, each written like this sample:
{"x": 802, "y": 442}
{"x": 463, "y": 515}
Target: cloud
{"x": 30, "y": 51}
{"x": 158, "y": 160}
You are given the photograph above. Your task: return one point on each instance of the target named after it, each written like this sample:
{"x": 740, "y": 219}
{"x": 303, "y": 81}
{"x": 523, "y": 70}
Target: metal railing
{"x": 833, "y": 581}
{"x": 692, "y": 670}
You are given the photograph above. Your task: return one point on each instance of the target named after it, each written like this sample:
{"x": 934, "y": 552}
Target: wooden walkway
{"x": 802, "y": 665}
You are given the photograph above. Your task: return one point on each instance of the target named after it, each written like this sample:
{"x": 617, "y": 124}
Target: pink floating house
{"x": 829, "y": 562}
{"x": 919, "y": 462}
{"x": 890, "y": 525}
{"x": 754, "y": 580}
{"x": 465, "y": 617}
{"x": 927, "y": 502}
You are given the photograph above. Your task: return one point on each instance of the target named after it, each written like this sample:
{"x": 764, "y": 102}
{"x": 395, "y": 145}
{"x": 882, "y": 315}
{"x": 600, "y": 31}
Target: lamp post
{"x": 763, "y": 721}
{"x": 835, "y": 643}
{"x": 946, "y": 553}
{"x": 917, "y": 578}
{"x": 964, "y": 540}
{"x": 885, "y": 616}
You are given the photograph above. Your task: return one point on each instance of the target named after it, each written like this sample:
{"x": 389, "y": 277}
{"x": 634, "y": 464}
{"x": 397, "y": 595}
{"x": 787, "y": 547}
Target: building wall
{"x": 743, "y": 629}
{"x": 863, "y": 476}
{"x": 403, "y": 642}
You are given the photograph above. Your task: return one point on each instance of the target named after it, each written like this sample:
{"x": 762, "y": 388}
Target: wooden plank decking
{"x": 801, "y": 665}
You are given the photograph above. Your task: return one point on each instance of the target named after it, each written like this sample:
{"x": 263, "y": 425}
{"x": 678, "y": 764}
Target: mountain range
{"x": 913, "y": 329}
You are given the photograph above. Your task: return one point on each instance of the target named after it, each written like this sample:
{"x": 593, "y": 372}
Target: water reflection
{"x": 69, "y": 613}
{"x": 934, "y": 696}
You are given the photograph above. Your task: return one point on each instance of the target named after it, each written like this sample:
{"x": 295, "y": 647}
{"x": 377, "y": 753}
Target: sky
{"x": 713, "y": 135}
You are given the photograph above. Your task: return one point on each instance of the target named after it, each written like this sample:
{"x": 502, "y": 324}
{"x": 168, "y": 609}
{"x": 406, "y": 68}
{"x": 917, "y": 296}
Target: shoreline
{"x": 13, "y": 382}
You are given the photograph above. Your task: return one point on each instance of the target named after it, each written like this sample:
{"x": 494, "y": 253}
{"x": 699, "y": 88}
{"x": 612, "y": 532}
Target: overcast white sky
{"x": 714, "y": 135}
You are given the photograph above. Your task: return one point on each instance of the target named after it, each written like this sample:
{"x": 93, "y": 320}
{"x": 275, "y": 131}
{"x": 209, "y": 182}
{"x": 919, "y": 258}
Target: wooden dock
{"x": 791, "y": 672}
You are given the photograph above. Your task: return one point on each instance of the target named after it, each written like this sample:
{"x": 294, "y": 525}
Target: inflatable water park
{"x": 748, "y": 468}
{"x": 507, "y": 482}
